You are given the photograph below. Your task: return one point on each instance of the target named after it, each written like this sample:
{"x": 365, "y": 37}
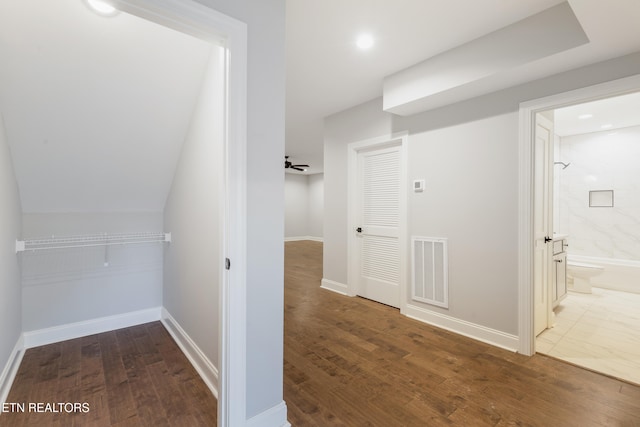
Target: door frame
{"x": 401, "y": 139}
{"x": 206, "y": 23}
{"x": 526, "y": 182}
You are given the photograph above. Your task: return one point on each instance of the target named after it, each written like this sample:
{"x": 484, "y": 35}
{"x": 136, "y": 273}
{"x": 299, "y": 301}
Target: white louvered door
{"x": 379, "y": 225}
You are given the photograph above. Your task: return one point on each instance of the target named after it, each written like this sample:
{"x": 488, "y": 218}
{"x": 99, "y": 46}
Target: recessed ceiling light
{"x": 102, "y": 7}
{"x": 364, "y": 41}
{"x": 607, "y": 126}
{"x": 585, "y": 116}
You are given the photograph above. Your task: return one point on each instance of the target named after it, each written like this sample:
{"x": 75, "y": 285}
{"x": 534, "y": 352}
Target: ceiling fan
{"x": 289, "y": 165}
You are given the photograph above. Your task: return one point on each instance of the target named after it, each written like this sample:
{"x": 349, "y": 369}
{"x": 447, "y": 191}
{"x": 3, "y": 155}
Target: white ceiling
{"x": 612, "y": 113}
{"x": 95, "y": 109}
{"x": 326, "y": 73}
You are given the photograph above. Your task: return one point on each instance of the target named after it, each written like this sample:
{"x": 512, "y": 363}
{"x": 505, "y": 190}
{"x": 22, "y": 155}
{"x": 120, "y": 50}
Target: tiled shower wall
{"x": 600, "y": 161}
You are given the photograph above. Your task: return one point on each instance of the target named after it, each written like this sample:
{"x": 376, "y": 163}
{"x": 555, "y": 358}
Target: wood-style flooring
{"x": 129, "y": 377}
{"x": 354, "y": 362}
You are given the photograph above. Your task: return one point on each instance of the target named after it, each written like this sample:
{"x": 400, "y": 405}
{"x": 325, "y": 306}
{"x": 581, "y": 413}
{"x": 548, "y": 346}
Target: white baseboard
{"x": 272, "y": 417}
{"x": 462, "y": 327}
{"x": 89, "y": 327}
{"x": 11, "y": 369}
{"x": 330, "y": 285}
{"x": 208, "y": 372}
{"x": 300, "y": 238}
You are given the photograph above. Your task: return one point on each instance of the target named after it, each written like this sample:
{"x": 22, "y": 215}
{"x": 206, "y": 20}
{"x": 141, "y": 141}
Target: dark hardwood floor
{"x": 354, "y": 362}
{"x": 130, "y": 377}
{"x": 347, "y": 362}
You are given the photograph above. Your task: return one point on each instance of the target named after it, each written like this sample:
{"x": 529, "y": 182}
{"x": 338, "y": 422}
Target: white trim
{"x": 462, "y": 327}
{"x": 11, "y": 369}
{"x": 201, "y": 21}
{"x": 275, "y": 416}
{"x": 301, "y": 238}
{"x": 337, "y": 287}
{"x": 74, "y": 330}
{"x": 205, "y": 368}
{"x": 353, "y": 148}
{"x": 526, "y": 180}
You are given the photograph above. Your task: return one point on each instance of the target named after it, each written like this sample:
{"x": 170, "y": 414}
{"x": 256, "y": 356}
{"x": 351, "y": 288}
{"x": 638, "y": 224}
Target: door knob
{"x": 359, "y": 229}
{"x": 547, "y": 239}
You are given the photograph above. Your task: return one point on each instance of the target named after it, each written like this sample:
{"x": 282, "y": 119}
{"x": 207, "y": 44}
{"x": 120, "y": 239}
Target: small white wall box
{"x": 418, "y": 185}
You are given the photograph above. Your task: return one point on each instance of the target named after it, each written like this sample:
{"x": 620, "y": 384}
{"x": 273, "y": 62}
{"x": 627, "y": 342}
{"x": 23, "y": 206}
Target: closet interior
{"x": 111, "y": 180}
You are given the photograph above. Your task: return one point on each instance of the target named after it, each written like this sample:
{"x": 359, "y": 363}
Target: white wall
{"x": 316, "y": 204}
{"x": 193, "y": 216}
{"x": 265, "y": 196}
{"x": 601, "y": 161}
{"x": 468, "y": 155}
{"x": 296, "y": 205}
{"x": 74, "y": 285}
{"x": 470, "y": 200}
{"x": 304, "y": 206}
{"x": 10, "y": 231}
{"x": 358, "y": 123}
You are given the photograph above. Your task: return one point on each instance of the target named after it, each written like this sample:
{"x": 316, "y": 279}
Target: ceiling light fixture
{"x": 364, "y": 41}
{"x": 102, "y": 7}
{"x": 585, "y": 116}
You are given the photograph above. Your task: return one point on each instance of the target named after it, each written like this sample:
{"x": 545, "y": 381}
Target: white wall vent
{"x": 429, "y": 271}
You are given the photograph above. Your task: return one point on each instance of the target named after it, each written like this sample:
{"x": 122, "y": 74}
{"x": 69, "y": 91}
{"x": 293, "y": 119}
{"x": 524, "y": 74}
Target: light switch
{"x": 418, "y": 186}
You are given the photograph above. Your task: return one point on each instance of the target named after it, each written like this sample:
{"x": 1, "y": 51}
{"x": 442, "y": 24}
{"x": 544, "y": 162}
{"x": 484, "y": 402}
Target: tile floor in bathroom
{"x": 599, "y": 331}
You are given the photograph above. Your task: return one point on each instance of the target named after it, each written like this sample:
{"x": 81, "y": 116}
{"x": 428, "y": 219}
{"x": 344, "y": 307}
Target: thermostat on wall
{"x": 418, "y": 185}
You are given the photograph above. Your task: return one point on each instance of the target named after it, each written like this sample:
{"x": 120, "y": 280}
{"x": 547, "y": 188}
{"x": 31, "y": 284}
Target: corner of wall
{"x": 10, "y": 281}
{"x": 10, "y": 370}
{"x": 205, "y": 368}
{"x": 334, "y": 286}
{"x": 273, "y": 417}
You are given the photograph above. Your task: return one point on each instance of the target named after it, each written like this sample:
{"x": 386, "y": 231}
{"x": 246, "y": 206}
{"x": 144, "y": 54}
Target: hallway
{"x": 353, "y": 362}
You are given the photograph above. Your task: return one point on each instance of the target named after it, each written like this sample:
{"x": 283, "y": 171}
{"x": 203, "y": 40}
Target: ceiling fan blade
{"x": 298, "y": 169}
{"x": 301, "y": 166}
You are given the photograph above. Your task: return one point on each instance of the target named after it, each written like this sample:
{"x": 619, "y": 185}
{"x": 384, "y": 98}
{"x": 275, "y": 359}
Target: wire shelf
{"x": 89, "y": 240}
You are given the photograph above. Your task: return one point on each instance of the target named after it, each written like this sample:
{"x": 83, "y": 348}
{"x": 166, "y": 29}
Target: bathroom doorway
{"x": 596, "y": 227}
{"x": 526, "y": 184}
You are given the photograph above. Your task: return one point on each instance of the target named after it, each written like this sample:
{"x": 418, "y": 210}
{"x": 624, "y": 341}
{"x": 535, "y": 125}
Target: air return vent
{"x": 429, "y": 272}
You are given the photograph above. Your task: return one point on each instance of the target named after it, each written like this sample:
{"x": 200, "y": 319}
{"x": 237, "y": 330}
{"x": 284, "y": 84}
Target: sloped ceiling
{"x": 95, "y": 109}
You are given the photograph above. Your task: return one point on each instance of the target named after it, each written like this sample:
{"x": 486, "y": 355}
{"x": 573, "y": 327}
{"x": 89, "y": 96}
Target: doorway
{"x": 208, "y": 24}
{"x": 528, "y": 182}
{"x": 594, "y": 324}
{"x": 205, "y": 23}
{"x": 377, "y": 249}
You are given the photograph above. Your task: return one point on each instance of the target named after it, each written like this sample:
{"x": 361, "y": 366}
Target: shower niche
{"x": 601, "y": 199}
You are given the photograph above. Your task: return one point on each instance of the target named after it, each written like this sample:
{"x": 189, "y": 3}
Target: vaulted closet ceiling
{"x": 95, "y": 108}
